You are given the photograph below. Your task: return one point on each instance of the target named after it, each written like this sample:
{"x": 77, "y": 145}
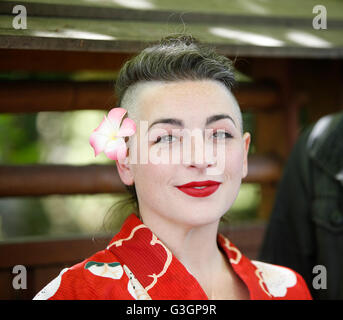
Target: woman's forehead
{"x": 194, "y": 100}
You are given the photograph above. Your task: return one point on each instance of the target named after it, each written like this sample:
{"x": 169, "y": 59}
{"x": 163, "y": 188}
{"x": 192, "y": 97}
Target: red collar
{"x": 163, "y": 276}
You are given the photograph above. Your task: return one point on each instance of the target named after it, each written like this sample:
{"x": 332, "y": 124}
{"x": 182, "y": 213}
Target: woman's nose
{"x": 201, "y": 154}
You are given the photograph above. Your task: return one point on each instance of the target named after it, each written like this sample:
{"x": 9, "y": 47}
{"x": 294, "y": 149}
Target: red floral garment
{"x": 137, "y": 265}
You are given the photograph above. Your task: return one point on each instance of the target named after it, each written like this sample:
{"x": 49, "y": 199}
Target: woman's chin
{"x": 197, "y": 218}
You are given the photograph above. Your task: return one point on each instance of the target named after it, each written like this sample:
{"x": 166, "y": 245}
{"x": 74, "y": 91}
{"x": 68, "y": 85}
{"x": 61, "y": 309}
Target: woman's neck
{"x": 194, "y": 246}
{"x": 197, "y": 249}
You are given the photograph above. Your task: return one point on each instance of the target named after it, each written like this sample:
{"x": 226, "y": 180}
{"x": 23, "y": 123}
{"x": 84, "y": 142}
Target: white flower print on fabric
{"x": 51, "y": 288}
{"x": 111, "y": 270}
{"x": 134, "y": 287}
{"x": 277, "y": 279}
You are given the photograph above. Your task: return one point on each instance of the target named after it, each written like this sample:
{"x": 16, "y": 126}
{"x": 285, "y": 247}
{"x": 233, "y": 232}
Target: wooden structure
{"x": 292, "y": 66}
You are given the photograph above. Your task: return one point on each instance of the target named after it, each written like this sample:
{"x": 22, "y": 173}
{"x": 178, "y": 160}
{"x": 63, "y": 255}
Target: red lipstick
{"x": 199, "y": 188}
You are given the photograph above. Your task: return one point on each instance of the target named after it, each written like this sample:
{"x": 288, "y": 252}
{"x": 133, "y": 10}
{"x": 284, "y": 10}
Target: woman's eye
{"x": 166, "y": 139}
{"x": 222, "y": 135}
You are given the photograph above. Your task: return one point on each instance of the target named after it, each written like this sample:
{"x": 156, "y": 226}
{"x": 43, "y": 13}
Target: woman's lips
{"x": 200, "y": 188}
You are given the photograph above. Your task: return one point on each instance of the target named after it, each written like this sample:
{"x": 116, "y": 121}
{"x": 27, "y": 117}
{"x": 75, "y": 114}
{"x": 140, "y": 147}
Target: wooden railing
{"x": 40, "y": 180}
{"x": 35, "y": 96}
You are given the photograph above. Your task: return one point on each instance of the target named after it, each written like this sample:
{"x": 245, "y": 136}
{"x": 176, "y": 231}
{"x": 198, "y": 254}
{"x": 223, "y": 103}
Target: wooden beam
{"x": 45, "y": 252}
{"x": 60, "y": 61}
{"x": 230, "y": 48}
{"x": 175, "y": 15}
{"x": 35, "y": 96}
{"x": 53, "y": 251}
{"x": 30, "y": 96}
{"x": 257, "y": 96}
{"x": 41, "y": 180}
{"x": 264, "y": 169}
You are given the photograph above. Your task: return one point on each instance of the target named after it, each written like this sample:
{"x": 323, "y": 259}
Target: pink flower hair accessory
{"x": 109, "y": 136}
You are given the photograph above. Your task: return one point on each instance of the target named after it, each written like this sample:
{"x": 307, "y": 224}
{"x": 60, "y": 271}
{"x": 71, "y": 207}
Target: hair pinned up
{"x": 175, "y": 57}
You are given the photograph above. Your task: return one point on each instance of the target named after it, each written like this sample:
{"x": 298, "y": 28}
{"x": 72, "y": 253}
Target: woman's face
{"x": 188, "y": 133}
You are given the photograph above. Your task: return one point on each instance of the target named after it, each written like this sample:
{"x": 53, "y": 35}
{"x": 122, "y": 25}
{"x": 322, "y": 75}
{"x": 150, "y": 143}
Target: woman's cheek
{"x": 234, "y": 162}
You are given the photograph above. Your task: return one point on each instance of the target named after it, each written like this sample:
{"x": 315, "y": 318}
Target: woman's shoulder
{"x": 282, "y": 282}
{"x": 100, "y": 276}
{"x": 265, "y": 280}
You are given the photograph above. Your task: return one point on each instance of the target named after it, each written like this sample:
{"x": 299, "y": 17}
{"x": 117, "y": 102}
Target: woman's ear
{"x": 125, "y": 171}
{"x": 246, "y": 144}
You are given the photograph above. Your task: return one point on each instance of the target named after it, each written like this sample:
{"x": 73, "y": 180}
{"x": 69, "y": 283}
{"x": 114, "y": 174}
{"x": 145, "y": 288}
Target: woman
{"x": 185, "y": 163}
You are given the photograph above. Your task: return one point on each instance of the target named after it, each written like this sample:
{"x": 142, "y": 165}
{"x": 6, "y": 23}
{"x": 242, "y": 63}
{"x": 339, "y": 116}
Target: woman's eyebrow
{"x": 180, "y": 123}
{"x": 173, "y": 121}
{"x": 218, "y": 117}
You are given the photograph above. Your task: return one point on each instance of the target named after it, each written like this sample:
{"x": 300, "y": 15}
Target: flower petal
{"x": 128, "y": 128}
{"x": 115, "y": 115}
{"x": 104, "y": 128}
{"x": 98, "y": 142}
{"x": 116, "y": 149}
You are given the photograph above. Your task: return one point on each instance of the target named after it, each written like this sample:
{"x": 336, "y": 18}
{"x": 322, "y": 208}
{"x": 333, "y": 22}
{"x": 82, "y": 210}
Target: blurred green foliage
{"x": 22, "y": 217}
{"x": 19, "y": 145}
{"x": 18, "y": 139}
